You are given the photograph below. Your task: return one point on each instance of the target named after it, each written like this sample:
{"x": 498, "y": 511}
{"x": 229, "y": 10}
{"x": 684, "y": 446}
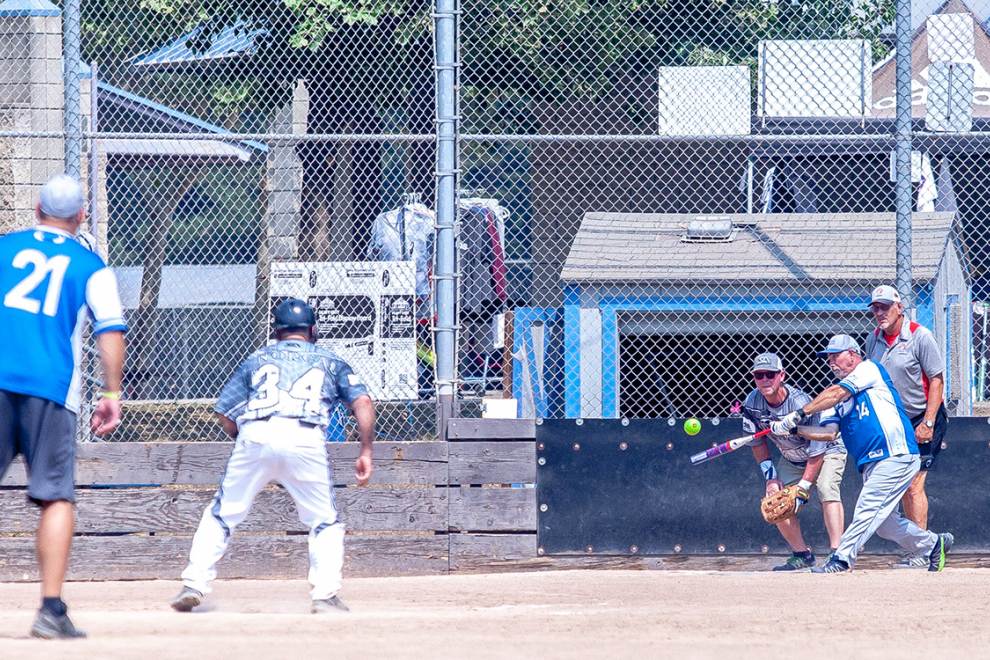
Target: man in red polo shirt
{"x": 910, "y": 354}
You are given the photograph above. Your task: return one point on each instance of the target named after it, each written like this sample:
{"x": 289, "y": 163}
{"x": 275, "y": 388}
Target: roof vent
{"x": 709, "y": 230}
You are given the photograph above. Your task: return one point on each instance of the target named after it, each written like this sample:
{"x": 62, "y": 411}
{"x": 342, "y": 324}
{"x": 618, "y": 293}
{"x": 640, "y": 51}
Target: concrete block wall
{"x": 31, "y": 99}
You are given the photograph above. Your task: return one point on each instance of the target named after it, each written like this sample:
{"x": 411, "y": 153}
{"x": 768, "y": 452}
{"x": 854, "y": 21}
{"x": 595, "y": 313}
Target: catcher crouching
{"x": 813, "y": 458}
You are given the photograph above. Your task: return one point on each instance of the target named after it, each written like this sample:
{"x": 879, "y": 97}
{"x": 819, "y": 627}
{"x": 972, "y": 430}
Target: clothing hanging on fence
{"x": 406, "y": 234}
{"x": 481, "y": 256}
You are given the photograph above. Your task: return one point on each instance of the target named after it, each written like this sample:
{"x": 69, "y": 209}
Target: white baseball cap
{"x": 840, "y": 343}
{"x": 885, "y": 294}
{"x": 61, "y": 197}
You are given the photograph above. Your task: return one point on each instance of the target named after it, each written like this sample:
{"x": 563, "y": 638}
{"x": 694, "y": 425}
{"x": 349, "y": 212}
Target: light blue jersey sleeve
{"x": 235, "y": 394}
{"x": 348, "y": 385}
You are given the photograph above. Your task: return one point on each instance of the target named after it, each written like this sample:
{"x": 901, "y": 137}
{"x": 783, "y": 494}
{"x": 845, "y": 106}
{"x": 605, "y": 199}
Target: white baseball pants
{"x": 884, "y": 483}
{"x": 294, "y": 455}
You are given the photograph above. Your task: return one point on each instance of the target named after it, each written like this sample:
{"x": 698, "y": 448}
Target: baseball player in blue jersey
{"x": 277, "y": 406}
{"x": 879, "y": 436}
{"x": 49, "y": 284}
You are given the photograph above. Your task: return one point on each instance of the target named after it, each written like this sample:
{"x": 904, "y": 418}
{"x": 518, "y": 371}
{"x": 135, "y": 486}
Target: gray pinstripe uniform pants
{"x": 884, "y": 483}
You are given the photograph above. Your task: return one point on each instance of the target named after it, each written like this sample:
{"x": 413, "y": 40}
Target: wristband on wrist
{"x": 110, "y": 395}
{"x": 769, "y": 471}
{"x": 805, "y": 484}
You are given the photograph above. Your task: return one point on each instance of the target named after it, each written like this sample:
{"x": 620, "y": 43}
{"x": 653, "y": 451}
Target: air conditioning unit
{"x": 815, "y": 78}
{"x": 704, "y": 100}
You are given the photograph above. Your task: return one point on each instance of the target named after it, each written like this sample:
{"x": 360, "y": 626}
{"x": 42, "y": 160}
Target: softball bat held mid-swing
{"x": 726, "y": 447}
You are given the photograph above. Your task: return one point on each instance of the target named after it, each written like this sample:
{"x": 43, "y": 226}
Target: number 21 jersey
{"x": 48, "y": 281}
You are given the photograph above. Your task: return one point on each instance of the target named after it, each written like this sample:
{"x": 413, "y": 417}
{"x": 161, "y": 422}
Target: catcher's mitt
{"x": 783, "y": 504}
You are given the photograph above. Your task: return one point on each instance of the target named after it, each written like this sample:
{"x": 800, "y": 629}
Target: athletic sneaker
{"x": 333, "y": 604}
{"x": 833, "y": 565}
{"x": 187, "y": 599}
{"x": 936, "y": 560}
{"x": 52, "y": 626}
{"x": 913, "y": 561}
{"x": 798, "y": 561}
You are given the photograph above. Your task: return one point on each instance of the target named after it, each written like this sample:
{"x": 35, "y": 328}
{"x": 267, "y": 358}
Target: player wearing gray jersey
{"x": 277, "y": 407}
{"x": 816, "y": 462}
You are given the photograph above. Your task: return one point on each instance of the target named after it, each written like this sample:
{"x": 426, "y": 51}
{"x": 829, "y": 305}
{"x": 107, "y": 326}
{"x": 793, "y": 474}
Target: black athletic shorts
{"x": 44, "y": 433}
{"x": 929, "y": 450}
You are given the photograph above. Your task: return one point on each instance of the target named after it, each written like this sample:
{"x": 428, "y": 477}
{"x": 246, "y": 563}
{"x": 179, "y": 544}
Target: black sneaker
{"x": 797, "y": 562}
{"x": 833, "y": 565}
{"x": 329, "y": 605}
{"x": 936, "y": 560}
{"x": 52, "y": 626}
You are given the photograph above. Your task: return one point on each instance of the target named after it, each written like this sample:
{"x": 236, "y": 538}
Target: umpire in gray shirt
{"x": 910, "y": 354}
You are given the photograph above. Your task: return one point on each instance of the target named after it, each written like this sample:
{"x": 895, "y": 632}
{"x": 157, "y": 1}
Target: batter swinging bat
{"x": 726, "y": 447}
{"x": 810, "y": 432}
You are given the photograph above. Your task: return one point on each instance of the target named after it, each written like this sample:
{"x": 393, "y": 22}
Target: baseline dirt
{"x": 564, "y": 614}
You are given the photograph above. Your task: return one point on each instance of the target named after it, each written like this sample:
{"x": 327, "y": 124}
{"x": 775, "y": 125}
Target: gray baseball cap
{"x": 840, "y": 343}
{"x": 767, "y": 362}
{"x": 61, "y": 197}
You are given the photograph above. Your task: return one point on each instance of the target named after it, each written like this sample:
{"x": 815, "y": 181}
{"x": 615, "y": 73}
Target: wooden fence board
{"x": 178, "y": 510}
{"x": 262, "y": 556}
{"x": 500, "y": 462}
{"x": 492, "y": 509}
{"x": 491, "y": 429}
{"x": 202, "y": 463}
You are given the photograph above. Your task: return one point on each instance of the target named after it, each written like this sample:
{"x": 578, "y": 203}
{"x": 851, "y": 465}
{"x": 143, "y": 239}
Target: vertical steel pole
{"x": 72, "y": 63}
{"x": 902, "y": 129}
{"x": 94, "y": 156}
{"x": 446, "y": 177}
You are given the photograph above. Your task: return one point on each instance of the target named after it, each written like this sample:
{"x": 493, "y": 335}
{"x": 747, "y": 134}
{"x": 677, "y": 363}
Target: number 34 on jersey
{"x": 302, "y": 396}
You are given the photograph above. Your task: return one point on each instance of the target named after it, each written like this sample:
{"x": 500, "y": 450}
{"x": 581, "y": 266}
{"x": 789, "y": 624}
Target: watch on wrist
{"x": 929, "y": 423}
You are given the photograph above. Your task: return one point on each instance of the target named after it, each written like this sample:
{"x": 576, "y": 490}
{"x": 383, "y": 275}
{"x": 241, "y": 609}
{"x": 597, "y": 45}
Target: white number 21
{"x": 42, "y": 266}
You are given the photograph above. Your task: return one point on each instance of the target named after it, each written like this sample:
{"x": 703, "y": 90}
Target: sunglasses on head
{"x": 765, "y": 375}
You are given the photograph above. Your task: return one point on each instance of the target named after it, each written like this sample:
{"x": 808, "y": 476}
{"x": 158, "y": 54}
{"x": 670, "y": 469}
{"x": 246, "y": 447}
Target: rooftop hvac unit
{"x": 815, "y": 78}
{"x": 704, "y": 100}
{"x": 950, "y": 38}
{"x": 949, "y": 107}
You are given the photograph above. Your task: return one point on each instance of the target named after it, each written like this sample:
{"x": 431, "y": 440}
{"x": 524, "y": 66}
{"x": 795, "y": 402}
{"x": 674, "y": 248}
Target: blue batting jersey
{"x": 48, "y": 281}
{"x": 872, "y": 421}
{"x": 291, "y": 378}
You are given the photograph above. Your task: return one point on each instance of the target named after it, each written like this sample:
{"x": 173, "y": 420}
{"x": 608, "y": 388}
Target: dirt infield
{"x": 867, "y": 614}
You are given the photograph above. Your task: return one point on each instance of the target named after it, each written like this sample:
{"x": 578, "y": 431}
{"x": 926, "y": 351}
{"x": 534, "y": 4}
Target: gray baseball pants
{"x": 884, "y": 483}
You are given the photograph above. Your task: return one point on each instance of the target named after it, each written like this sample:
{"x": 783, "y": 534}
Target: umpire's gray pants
{"x": 884, "y": 483}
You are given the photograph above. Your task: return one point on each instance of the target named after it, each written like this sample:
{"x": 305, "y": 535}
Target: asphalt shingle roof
{"x": 639, "y": 247}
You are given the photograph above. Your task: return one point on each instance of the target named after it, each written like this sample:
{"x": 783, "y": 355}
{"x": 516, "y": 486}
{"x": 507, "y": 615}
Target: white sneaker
{"x": 913, "y": 561}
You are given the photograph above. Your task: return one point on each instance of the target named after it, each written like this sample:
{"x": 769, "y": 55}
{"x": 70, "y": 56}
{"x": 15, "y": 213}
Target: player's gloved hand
{"x": 803, "y": 495}
{"x": 787, "y": 423}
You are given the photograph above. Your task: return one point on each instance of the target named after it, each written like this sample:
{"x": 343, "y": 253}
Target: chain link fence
{"x": 648, "y": 193}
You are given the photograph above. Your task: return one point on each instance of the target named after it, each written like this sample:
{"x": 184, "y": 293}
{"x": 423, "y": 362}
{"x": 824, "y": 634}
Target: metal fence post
{"x": 902, "y": 129}
{"x": 72, "y": 121}
{"x": 446, "y": 173}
